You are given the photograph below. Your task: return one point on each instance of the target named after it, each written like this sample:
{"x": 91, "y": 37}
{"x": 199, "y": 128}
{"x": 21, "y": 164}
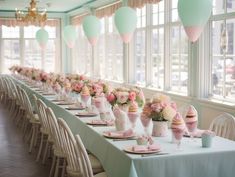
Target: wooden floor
{"x": 15, "y": 161}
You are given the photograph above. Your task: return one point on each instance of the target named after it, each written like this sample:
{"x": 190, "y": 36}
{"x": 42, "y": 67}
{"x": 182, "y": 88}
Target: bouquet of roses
{"x": 161, "y": 108}
{"x": 124, "y": 96}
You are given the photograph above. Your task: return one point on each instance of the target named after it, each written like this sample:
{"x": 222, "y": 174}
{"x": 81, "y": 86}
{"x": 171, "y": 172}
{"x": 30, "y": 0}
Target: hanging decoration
{"x": 42, "y": 38}
{"x": 70, "y": 36}
{"x": 126, "y": 21}
{"x": 91, "y": 26}
{"x": 194, "y": 15}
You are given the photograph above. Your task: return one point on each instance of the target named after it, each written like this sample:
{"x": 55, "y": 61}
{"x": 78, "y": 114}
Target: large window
{"x": 19, "y": 46}
{"x": 222, "y": 50}
{"x": 160, "y": 51}
{"x": 108, "y": 53}
{"x": 82, "y": 54}
{"x": 140, "y": 47}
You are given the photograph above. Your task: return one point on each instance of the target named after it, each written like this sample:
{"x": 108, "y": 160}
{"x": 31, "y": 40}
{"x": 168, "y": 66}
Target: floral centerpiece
{"x": 124, "y": 96}
{"x": 160, "y": 109}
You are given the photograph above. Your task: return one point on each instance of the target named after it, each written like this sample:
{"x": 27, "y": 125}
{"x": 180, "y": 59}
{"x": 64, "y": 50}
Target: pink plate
{"x": 116, "y": 136}
{"x": 129, "y": 149}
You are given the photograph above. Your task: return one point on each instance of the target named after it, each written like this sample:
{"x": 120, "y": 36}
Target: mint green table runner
{"x": 192, "y": 161}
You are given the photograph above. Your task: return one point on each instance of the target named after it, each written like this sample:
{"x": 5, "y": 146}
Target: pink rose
{"x": 132, "y": 96}
{"x": 111, "y": 97}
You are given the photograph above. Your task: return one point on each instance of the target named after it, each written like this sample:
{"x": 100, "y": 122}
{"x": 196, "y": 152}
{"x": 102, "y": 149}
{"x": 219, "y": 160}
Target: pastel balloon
{"x": 126, "y": 21}
{"x": 91, "y": 26}
{"x": 42, "y": 37}
{"x": 70, "y": 35}
{"x": 194, "y": 14}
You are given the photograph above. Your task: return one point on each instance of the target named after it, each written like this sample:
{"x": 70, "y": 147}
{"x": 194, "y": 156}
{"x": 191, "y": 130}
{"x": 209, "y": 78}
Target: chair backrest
{"x": 20, "y": 97}
{"x": 27, "y": 104}
{"x": 70, "y": 146}
{"x": 54, "y": 128}
{"x": 85, "y": 161}
{"x": 224, "y": 126}
{"x": 42, "y": 115}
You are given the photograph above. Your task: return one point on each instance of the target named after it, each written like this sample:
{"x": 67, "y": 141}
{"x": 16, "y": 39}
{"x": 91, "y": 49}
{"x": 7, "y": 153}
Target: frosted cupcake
{"x": 178, "y": 126}
{"x": 85, "y": 94}
{"x": 133, "y": 113}
{"x": 191, "y": 119}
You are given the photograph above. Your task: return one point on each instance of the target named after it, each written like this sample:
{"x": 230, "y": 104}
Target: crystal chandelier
{"x": 33, "y": 15}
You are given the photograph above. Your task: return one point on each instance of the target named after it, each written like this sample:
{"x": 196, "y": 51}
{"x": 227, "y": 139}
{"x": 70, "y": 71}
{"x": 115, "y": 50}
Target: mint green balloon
{"x": 194, "y": 12}
{"x": 42, "y": 37}
{"x": 70, "y": 35}
{"x": 125, "y": 20}
{"x": 91, "y": 26}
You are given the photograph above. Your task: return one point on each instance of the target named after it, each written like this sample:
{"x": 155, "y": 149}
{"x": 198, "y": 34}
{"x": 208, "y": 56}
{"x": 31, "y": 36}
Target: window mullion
{"x": 148, "y": 46}
{"x": 1, "y": 50}
{"x": 22, "y": 46}
{"x": 167, "y": 46}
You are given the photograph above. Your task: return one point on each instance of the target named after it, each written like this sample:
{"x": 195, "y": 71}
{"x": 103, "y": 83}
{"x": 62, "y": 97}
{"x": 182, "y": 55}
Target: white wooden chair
{"x": 85, "y": 164}
{"x": 45, "y": 131}
{"x": 32, "y": 119}
{"x": 73, "y": 157}
{"x": 224, "y": 126}
{"x": 59, "y": 155}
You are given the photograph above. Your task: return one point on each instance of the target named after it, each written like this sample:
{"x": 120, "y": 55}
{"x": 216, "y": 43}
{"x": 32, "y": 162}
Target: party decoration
{"x": 194, "y": 14}
{"x": 126, "y": 21}
{"x": 70, "y": 35}
{"x": 91, "y": 26}
{"x": 42, "y": 37}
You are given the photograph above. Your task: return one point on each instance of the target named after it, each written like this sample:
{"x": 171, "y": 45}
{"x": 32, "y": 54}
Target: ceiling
{"x": 50, "y": 5}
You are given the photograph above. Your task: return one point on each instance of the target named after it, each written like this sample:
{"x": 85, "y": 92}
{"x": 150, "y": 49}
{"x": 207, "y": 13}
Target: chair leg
{"x": 57, "y": 167}
{"x": 45, "y": 152}
{"x": 53, "y": 166}
{"x": 64, "y": 167}
{"x": 40, "y": 148}
{"x": 32, "y": 139}
{"x": 36, "y": 135}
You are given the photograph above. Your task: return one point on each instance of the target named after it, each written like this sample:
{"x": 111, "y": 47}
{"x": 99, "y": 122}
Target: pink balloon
{"x": 127, "y": 37}
{"x": 193, "y": 32}
{"x": 93, "y": 40}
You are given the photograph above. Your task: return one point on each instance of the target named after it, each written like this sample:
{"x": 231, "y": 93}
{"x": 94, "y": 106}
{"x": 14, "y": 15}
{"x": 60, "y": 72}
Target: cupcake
{"x": 85, "y": 93}
{"x": 191, "y": 119}
{"x": 133, "y": 112}
{"x": 178, "y": 126}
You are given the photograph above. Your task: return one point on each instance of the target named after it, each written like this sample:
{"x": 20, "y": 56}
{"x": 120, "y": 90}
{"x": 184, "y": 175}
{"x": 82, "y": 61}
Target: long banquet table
{"x": 192, "y": 161}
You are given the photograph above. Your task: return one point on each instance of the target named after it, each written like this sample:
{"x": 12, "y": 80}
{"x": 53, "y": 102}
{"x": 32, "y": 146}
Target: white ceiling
{"x": 50, "y": 5}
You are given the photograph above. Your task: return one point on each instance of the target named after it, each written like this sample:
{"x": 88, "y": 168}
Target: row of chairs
{"x": 40, "y": 126}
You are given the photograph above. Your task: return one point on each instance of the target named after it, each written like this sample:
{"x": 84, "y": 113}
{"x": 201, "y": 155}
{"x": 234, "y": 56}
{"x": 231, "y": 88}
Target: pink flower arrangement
{"x": 122, "y": 96}
{"x": 161, "y": 108}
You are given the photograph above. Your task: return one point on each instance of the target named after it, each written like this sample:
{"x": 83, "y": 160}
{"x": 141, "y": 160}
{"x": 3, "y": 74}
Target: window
{"x": 160, "y": 51}
{"x": 82, "y": 54}
{"x": 10, "y": 47}
{"x": 140, "y": 47}
{"x": 34, "y": 56}
{"x": 157, "y": 53}
{"x": 108, "y": 62}
{"x": 19, "y": 46}
{"x": 222, "y": 50}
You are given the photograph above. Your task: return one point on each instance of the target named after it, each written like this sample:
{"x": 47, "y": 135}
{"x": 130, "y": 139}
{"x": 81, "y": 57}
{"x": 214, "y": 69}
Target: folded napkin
{"x": 144, "y": 148}
{"x": 125, "y": 133}
{"x": 105, "y": 122}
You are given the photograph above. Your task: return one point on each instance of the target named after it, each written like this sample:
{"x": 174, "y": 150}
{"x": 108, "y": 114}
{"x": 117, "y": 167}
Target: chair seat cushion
{"x": 95, "y": 163}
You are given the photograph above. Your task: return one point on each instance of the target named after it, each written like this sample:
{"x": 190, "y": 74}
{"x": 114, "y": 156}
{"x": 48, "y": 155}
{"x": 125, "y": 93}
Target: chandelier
{"x": 33, "y": 16}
